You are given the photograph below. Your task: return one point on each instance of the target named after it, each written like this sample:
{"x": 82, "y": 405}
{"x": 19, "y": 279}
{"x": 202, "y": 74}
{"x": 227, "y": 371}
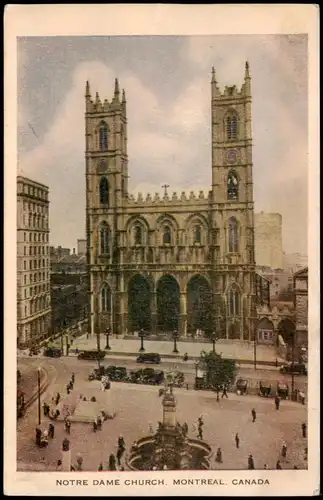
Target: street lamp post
{"x": 39, "y": 407}
{"x": 214, "y": 339}
{"x": 107, "y": 334}
{"x": 175, "y": 337}
{"x": 293, "y": 361}
{"x": 141, "y": 335}
{"x": 255, "y": 346}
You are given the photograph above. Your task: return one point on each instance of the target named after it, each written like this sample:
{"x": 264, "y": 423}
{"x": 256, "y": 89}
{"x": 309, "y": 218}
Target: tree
{"x": 219, "y": 371}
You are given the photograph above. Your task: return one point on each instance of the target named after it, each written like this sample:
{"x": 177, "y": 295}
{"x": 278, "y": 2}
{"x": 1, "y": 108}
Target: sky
{"x": 168, "y": 91}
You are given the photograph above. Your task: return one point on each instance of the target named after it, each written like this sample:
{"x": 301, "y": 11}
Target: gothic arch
{"x": 233, "y": 300}
{"x": 200, "y": 310}
{"x": 192, "y": 224}
{"x": 167, "y": 229}
{"x": 168, "y": 303}
{"x": 103, "y": 136}
{"x": 286, "y": 328}
{"x": 139, "y": 303}
{"x": 233, "y": 184}
{"x": 104, "y": 238}
{"x": 231, "y": 125}
{"x": 265, "y": 330}
{"x": 137, "y": 222}
{"x": 233, "y": 231}
{"x": 104, "y": 189}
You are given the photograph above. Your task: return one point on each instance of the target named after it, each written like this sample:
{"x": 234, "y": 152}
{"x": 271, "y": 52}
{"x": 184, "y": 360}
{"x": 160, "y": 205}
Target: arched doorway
{"x": 234, "y": 330}
{"x": 265, "y": 331}
{"x": 139, "y": 308}
{"x": 286, "y": 329}
{"x": 168, "y": 304}
{"x": 200, "y": 314}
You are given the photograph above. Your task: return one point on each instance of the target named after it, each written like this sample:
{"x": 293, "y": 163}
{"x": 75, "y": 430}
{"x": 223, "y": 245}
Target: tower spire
{"x": 213, "y": 75}
{"x": 247, "y": 80}
{"x": 123, "y": 96}
{"x": 87, "y": 89}
{"x": 116, "y": 89}
{"x": 215, "y": 89}
{"x": 246, "y": 74}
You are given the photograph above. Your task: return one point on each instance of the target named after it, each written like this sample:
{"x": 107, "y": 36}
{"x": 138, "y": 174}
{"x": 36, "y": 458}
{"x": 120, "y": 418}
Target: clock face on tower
{"x": 232, "y": 156}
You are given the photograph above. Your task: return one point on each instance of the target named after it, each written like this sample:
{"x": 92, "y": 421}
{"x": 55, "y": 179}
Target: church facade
{"x": 180, "y": 261}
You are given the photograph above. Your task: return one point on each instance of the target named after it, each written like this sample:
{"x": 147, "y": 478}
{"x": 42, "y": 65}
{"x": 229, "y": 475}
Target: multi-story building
{"x": 59, "y": 252}
{"x": 268, "y": 240}
{"x": 294, "y": 262}
{"x": 301, "y": 306}
{"x": 33, "y": 276}
{"x": 81, "y": 246}
{"x": 162, "y": 264}
{"x": 281, "y": 283}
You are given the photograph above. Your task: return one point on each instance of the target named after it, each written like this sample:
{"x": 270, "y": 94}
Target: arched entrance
{"x": 286, "y": 329}
{"x": 200, "y": 314}
{"x": 139, "y": 307}
{"x": 168, "y": 304}
{"x": 265, "y": 331}
{"x": 234, "y": 330}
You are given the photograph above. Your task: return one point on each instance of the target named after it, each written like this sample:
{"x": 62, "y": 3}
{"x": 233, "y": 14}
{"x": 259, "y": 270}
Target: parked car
{"x": 282, "y": 390}
{"x": 148, "y": 357}
{"x": 91, "y": 355}
{"x": 264, "y": 389}
{"x": 53, "y": 352}
{"x": 242, "y": 386}
{"x": 294, "y": 368}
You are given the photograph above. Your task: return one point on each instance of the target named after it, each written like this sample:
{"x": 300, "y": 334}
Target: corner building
{"x": 33, "y": 278}
{"x": 182, "y": 261}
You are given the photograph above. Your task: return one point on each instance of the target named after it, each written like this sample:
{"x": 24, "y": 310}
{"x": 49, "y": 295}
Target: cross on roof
{"x": 165, "y": 186}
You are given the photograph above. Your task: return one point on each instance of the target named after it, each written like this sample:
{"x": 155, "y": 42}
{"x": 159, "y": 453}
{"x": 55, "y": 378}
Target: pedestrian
{"x": 73, "y": 378}
{"x": 305, "y": 453}
{"x": 112, "y": 462}
{"x": 277, "y": 401}
{"x": 237, "y": 440}
{"x": 100, "y": 466}
{"x": 99, "y": 423}
{"x": 218, "y": 457}
{"x": 224, "y": 392}
{"x": 295, "y": 467}
{"x": 38, "y": 436}
{"x": 71, "y": 385}
{"x": 121, "y": 443}
{"x": 44, "y": 438}
{"x": 304, "y": 429}
{"x": 68, "y": 388}
{"x": 284, "y": 450}
{"x": 51, "y": 430}
{"x": 68, "y": 426}
{"x": 200, "y": 432}
{"x": 46, "y": 409}
{"x": 120, "y": 452}
{"x": 266, "y": 466}
{"x": 278, "y": 466}
{"x": 58, "y": 397}
{"x": 95, "y": 425}
{"x": 251, "y": 464}
{"x": 253, "y": 414}
{"x": 59, "y": 465}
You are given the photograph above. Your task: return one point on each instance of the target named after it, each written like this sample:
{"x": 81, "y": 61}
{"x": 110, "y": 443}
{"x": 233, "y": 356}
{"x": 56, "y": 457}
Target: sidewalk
{"x": 241, "y": 351}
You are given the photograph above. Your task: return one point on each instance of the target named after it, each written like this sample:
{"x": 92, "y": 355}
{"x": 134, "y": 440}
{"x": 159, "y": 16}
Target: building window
{"x": 104, "y": 191}
{"x": 233, "y": 235}
{"x": 197, "y": 234}
{"x": 233, "y": 302}
{"x": 24, "y": 236}
{"x": 104, "y": 238}
{"x": 103, "y": 136}
{"x": 30, "y": 264}
{"x": 25, "y": 293}
{"x": 105, "y": 299}
{"x": 138, "y": 235}
{"x": 232, "y": 127}
{"x": 167, "y": 236}
{"x": 233, "y": 186}
{"x": 25, "y": 279}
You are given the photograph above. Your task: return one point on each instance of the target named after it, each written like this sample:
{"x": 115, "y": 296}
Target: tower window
{"x": 138, "y": 235}
{"x": 104, "y": 191}
{"x": 232, "y": 127}
{"x": 233, "y": 302}
{"x": 103, "y": 136}
{"x": 233, "y": 235}
{"x": 197, "y": 234}
{"x": 233, "y": 186}
{"x": 105, "y": 299}
{"x": 167, "y": 235}
{"x": 104, "y": 238}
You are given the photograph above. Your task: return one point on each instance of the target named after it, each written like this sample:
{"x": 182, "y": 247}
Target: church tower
{"x": 106, "y": 191}
{"x": 232, "y": 204}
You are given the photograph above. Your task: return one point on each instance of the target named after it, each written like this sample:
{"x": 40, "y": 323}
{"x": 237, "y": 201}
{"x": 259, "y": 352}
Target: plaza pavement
{"x": 242, "y": 351}
{"x": 140, "y": 406}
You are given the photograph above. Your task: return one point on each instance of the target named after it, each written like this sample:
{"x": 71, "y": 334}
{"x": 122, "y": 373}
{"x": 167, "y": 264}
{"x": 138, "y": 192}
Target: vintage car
{"x": 53, "y": 352}
{"x": 149, "y": 357}
{"x": 242, "y": 386}
{"x": 294, "y": 368}
{"x": 282, "y": 390}
{"x": 264, "y": 389}
{"x": 88, "y": 355}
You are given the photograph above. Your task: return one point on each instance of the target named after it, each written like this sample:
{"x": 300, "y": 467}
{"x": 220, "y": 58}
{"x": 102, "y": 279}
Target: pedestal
{"x": 66, "y": 461}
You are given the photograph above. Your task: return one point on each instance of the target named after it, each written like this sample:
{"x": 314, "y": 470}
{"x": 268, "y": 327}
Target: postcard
{"x": 161, "y": 250}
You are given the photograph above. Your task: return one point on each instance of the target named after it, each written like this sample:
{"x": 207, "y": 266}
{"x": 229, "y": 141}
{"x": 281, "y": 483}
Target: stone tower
{"x": 232, "y": 202}
{"x": 106, "y": 188}
{"x": 181, "y": 261}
